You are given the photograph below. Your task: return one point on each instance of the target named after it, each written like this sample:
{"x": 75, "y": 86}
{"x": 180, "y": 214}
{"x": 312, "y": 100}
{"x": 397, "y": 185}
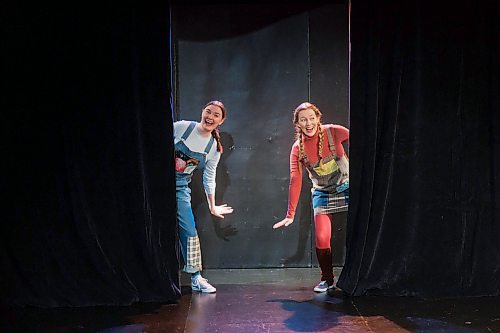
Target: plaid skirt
{"x": 329, "y": 203}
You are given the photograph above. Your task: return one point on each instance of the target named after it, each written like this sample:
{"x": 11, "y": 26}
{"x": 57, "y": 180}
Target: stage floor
{"x": 271, "y": 300}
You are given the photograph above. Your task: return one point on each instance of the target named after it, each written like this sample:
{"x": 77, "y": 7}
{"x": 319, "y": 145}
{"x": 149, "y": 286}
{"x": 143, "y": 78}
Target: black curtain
{"x": 424, "y": 218}
{"x": 87, "y": 145}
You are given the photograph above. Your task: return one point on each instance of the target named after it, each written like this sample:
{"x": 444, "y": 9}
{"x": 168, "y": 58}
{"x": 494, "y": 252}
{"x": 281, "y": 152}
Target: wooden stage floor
{"x": 269, "y": 300}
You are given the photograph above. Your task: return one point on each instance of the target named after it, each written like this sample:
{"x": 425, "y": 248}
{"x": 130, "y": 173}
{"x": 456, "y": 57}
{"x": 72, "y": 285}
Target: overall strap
{"x": 331, "y": 143}
{"x": 209, "y": 145}
{"x": 188, "y": 130}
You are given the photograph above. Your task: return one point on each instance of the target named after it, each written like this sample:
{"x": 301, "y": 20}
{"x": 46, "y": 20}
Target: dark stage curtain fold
{"x": 87, "y": 137}
{"x": 425, "y": 153}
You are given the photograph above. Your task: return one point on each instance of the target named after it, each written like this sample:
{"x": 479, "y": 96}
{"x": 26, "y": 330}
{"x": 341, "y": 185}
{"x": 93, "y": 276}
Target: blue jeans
{"x": 185, "y": 217}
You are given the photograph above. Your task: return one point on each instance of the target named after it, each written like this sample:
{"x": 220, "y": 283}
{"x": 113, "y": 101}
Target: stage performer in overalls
{"x": 318, "y": 148}
{"x": 197, "y": 146}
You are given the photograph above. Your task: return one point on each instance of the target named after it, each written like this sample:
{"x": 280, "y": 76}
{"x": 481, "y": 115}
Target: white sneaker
{"x": 201, "y": 284}
{"x": 323, "y": 286}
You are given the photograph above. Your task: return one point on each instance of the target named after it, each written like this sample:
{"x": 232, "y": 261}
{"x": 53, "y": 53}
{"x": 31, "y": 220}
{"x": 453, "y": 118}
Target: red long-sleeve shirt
{"x": 340, "y": 135}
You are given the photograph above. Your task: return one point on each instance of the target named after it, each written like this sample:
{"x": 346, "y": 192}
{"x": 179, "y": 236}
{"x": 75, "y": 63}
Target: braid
{"x": 302, "y": 153}
{"x": 320, "y": 142}
{"x": 298, "y": 136}
{"x": 216, "y": 135}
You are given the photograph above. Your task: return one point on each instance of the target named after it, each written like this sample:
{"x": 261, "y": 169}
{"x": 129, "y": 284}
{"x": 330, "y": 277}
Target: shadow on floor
{"x": 266, "y": 301}
{"x": 391, "y": 314}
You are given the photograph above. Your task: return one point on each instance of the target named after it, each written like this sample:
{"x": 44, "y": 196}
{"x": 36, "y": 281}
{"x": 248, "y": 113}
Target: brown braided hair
{"x": 298, "y": 131}
{"x": 215, "y": 132}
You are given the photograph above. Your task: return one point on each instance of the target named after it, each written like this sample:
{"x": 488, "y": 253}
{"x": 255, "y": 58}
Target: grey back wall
{"x": 261, "y": 73}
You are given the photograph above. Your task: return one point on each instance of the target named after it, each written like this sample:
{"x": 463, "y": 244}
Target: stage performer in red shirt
{"x": 318, "y": 148}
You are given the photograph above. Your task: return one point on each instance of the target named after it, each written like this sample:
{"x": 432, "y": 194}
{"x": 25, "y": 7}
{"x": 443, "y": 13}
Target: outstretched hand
{"x": 219, "y": 211}
{"x": 285, "y": 222}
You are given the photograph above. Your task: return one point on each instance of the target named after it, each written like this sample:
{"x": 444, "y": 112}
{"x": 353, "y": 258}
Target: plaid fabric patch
{"x": 329, "y": 203}
{"x": 193, "y": 264}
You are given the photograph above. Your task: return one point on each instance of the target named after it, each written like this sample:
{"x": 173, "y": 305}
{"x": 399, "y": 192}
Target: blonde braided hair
{"x": 298, "y": 131}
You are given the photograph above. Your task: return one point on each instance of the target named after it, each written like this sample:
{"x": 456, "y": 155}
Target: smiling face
{"x": 308, "y": 121}
{"x": 211, "y": 117}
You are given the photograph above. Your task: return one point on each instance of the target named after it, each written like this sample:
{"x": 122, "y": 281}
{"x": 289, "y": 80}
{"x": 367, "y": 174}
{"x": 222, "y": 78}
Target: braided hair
{"x": 215, "y": 132}
{"x": 298, "y": 131}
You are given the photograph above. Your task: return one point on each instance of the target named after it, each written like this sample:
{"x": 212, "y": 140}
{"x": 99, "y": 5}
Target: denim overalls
{"x": 186, "y": 163}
